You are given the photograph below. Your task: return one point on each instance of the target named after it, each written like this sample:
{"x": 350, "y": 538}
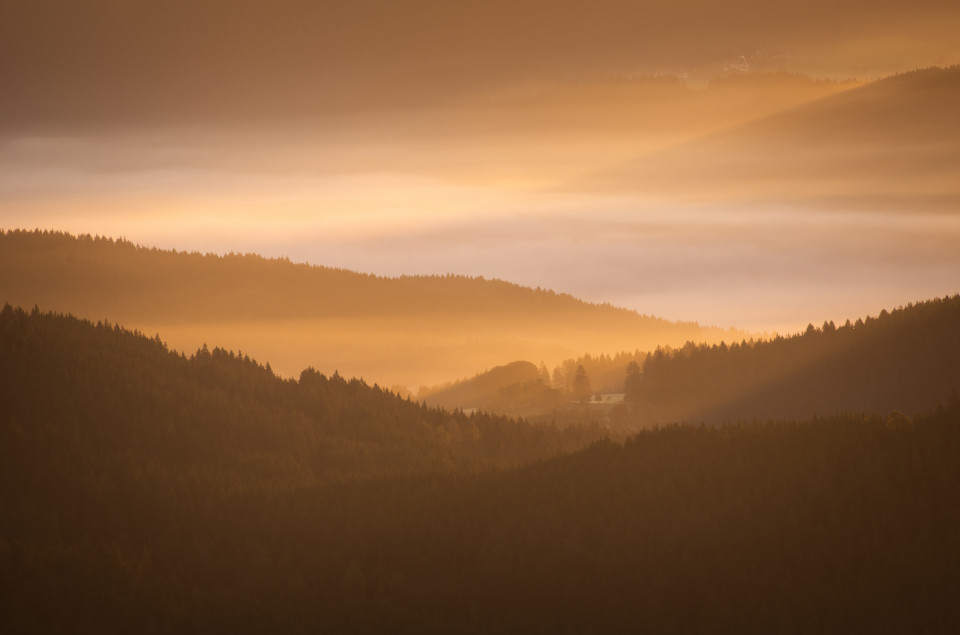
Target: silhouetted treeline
{"x": 523, "y": 389}
{"x": 514, "y": 388}
{"x": 123, "y": 408}
{"x": 606, "y": 372}
{"x": 120, "y": 280}
{"x": 410, "y": 330}
{"x": 907, "y": 359}
{"x": 146, "y": 492}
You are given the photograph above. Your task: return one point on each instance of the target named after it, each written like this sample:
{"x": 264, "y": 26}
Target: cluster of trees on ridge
{"x": 516, "y": 389}
{"x": 129, "y": 402}
{"x": 907, "y": 359}
{"x": 522, "y": 387}
{"x": 145, "y": 491}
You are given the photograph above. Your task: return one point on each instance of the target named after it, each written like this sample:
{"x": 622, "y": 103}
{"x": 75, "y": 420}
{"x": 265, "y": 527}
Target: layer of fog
{"x": 759, "y": 267}
{"x": 696, "y": 217}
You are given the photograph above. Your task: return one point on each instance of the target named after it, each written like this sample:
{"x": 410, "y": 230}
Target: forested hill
{"x": 523, "y": 388}
{"x": 907, "y": 359}
{"x": 410, "y": 330}
{"x": 87, "y": 405}
{"x": 511, "y": 387}
{"x": 146, "y": 492}
{"x": 87, "y": 275}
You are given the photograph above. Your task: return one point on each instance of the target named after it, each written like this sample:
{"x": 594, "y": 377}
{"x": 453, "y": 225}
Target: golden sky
{"x": 530, "y": 141}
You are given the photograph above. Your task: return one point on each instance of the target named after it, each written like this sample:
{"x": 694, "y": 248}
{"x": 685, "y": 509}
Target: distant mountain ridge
{"x": 409, "y": 330}
{"x": 891, "y": 144}
{"x": 910, "y": 107}
{"x": 93, "y": 274}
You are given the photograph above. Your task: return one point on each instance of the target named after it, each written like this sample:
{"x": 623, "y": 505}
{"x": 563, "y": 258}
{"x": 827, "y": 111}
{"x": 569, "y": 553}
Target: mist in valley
{"x": 621, "y": 316}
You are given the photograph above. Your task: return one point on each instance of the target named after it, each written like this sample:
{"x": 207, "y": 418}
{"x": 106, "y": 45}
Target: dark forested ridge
{"x": 146, "y": 492}
{"x": 907, "y": 359}
{"x": 110, "y": 405}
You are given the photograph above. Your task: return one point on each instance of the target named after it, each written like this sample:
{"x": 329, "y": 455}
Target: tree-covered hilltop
{"x": 146, "y": 492}
{"x": 119, "y": 279}
{"x": 98, "y": 406}
{"x": 412, "y": 330}
{"x": 907, "y": 359}
{"x": 522, "y": 389}
{"x": 516, "y": 387}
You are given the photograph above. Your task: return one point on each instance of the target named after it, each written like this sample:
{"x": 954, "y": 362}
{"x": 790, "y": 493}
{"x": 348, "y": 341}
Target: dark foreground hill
{"x": 106, "y": 405}
{"x": 412, "y": 330}
{"x": 907, "y": 359}
{"x": 146, "y": 492}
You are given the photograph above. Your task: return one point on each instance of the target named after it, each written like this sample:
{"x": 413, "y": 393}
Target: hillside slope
{"x": 511, "y": 387}
{"x": 143, "y": 491}
{"x": 110, "y": 404}
{"x": 891, "y": 144}
{"x": 412, "y": 330}
{"x": 907, "y": 359}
